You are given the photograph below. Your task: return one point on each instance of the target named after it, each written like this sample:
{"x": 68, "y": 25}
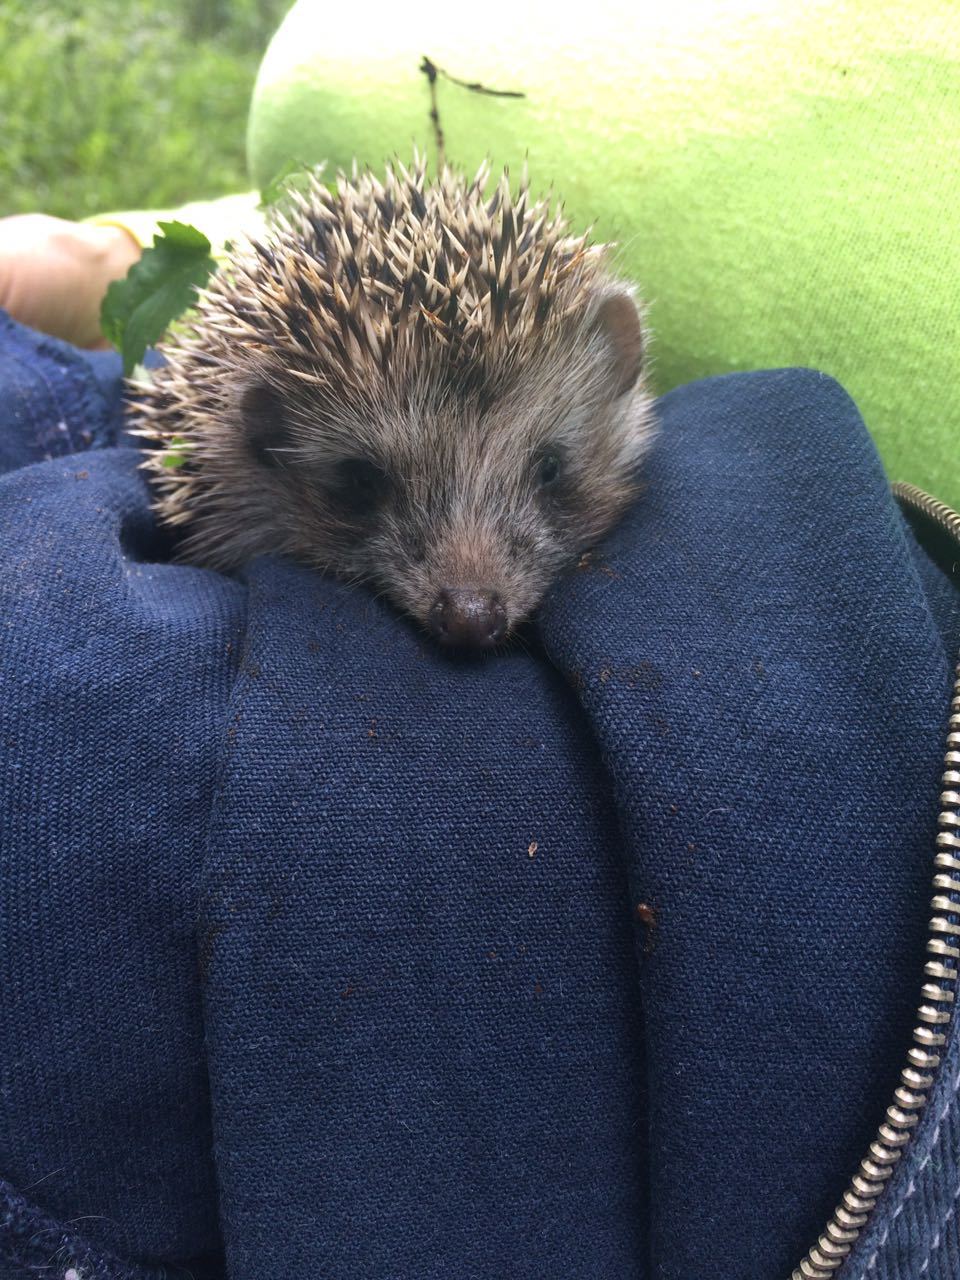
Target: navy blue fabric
{"x": 763, "y": 675}
{"x": 917, "y": 1231}
{"x": 36, "y": 1244}
{"x": 54, "y": 403}
{"x": 325, "y": 954}
{"x": 414, "y": 869}
{"x": 114, "y": 673}
{"x": 56, "y": 400}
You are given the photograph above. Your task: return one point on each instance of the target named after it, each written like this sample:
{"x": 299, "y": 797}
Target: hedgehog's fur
{"x": 385, "y": 387}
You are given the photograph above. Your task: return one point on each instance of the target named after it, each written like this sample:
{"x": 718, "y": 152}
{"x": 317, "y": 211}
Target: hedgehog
{"x": 419, "y": 384}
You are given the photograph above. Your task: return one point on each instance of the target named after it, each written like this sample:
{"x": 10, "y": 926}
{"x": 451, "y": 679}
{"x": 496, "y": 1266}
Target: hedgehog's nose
{"x": 468, "y": 618}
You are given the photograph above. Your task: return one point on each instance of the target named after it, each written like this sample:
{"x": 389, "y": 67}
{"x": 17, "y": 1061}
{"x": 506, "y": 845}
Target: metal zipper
{"x": 939, "y": 991}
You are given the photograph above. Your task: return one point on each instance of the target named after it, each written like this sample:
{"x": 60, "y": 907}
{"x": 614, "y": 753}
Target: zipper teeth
{"x": 908, "y": 495}
{"x": 937, "y": 997}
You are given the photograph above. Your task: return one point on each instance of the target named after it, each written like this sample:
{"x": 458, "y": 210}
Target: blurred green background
{"x": 114, "y": 104}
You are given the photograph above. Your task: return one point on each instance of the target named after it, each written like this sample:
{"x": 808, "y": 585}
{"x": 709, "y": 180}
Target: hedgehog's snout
{"x": 468, "y": 618}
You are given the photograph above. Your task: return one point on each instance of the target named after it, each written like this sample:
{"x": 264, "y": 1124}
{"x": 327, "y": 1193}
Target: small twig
{"x": 433, "y": 72}
{"x": 430, "y": 70}
{"x": 473, "y": 85}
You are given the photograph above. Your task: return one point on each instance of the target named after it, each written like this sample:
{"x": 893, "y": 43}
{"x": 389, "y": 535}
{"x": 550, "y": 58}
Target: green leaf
{"x": 176, "y": 452}
{"x": 138, "y": 309}
{"x": 294, "y": 174}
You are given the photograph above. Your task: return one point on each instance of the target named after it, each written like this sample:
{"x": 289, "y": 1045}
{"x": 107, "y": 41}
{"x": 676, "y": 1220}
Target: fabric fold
{"x": 765, "y": 680}
{"x": 420, "y": 992}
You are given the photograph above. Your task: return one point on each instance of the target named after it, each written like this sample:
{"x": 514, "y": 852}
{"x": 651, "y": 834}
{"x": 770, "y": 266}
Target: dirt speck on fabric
{"x": 588, "y": 563}
{"x": 646, "y": 915}
{"x": 532, "y": 848}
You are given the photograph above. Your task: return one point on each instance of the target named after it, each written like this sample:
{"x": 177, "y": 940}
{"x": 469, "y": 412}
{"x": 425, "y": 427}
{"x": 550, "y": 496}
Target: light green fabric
{"x": 220, "y": 220}
{"x": 783, "y": 178}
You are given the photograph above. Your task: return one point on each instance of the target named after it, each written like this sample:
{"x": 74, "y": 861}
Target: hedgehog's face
{"x": 462, "y": 502}
{"x": 415, "y": 384}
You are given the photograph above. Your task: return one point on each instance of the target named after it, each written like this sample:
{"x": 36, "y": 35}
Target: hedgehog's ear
{"x": 264, "y": 423}
{"x": 616, "y": 319}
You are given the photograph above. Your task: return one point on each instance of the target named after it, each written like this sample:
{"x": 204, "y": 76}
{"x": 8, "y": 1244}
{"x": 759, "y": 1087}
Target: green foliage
{"x": 295, "y": 175}
{"x": 176, "y": 452}
{"x": 156, "y": 290}
{"x": 126, "y": 104}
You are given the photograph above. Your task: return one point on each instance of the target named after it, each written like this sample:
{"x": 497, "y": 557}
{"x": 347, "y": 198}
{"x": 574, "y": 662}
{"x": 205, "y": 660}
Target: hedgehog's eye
{"x": 360, "y": 485}
{"x": 548, "y": 469}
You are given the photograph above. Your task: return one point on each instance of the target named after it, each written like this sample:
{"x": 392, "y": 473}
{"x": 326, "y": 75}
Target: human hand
{"x": 54, "y": 273}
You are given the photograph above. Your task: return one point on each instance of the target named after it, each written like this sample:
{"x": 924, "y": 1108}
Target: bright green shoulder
{"x": 783, "y": 179}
